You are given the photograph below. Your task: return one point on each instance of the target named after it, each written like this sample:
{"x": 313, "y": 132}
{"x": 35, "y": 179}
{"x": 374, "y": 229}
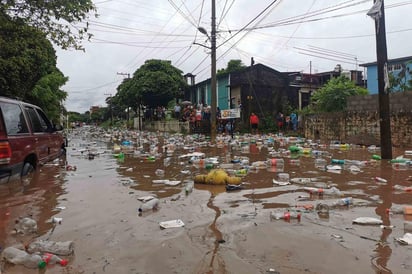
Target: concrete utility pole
{"x": 382, "y": 60}
{"x": 111, "y": 108}
{"x": 213, "y": 104}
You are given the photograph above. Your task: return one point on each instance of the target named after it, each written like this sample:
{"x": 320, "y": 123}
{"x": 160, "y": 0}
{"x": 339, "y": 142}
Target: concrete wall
{"x": 360, "y": 123}
{"x": 167, "y": 126}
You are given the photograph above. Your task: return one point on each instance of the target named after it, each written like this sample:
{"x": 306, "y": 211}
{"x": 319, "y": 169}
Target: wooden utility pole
{"x": 383, "y": 81}
{"x": 213, "y": 105}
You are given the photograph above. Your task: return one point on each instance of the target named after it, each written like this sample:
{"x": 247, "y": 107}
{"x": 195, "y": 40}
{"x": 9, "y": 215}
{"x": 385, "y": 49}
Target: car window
{"x": 37, "y": 123}
{"x": 13, "y": 119}
{"x": 45, "y": 122}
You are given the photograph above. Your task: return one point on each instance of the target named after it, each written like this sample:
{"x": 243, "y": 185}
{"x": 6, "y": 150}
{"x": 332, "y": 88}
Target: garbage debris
{"x": 189, "y": 186}
{"x": 217, "y": 177}
{"x": 167, "y": 182}
{"x": 343, "y": 202}
{"x": 58, "y": 248}
{"x": 406, "y": 239}
{"x": 50, "y": 258}
{"x": 367, "y": 221}
{"x": 25, "y": 226}
{"x": 20, "y": 257}
{"x": 171, "y": 224}
{"x": 380, "y": 179}
{"x": 280, "y": 183}
{"x": 151, "y": 204}
{"x": 230, "y": 187}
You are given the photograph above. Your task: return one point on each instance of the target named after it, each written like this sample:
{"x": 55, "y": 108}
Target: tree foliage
{"x": 25, "y": 57}
{"x": 232, "y": 66}
{"x": 48, "y": 95}
{"x": 28, "y": 67}
{"x": 58, "y": 19}
{"x": 154, "y": 84}
{"x": 332, "y": 97}
{"x": 398, "y": 81}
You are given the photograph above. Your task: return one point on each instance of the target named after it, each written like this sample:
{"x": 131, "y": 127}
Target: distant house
{"x": 257, "y": 88}
{"x": 398, "y": 66}
{"x": 306, "y": 83}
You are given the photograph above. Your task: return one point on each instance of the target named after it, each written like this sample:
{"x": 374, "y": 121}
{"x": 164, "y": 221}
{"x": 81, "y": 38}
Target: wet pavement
{"x": 94, "y": 183}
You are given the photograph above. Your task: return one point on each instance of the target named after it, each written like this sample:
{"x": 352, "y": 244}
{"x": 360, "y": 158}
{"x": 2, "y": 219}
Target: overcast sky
{"x": 286, "y": 35}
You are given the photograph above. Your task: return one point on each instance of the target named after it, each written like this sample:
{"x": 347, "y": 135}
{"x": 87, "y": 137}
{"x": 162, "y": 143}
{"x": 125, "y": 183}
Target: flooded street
{"x": 93, "y": 196}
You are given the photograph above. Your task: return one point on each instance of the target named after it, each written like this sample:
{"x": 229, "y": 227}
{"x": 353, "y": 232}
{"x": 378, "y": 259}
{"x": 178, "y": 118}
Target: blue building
{"x": 399, "y": 66}
{"x": 257, "y": 88}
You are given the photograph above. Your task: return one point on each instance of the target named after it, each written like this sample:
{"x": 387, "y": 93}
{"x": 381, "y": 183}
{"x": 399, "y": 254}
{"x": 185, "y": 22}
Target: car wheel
{"x": 27, "y": 173}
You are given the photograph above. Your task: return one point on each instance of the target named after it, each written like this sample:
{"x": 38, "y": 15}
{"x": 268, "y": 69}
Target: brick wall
{"x": 360, "y": 123}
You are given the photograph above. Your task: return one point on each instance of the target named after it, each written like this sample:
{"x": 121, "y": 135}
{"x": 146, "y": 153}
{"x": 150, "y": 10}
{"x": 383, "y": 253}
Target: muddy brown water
{"x": 101, "y": 175}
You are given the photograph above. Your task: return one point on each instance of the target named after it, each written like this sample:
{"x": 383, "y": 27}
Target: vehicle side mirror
{"x": 58, "y": 127}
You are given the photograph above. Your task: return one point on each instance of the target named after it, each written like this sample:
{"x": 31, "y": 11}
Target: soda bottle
{"x": 295, "y": 162}
{"x": 275, "y": 162}
{"x": 288, "y": 215}
{"x": 50, "y": 258}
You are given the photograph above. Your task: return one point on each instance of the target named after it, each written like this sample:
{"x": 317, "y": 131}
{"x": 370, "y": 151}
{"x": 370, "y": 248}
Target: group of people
{"x": 195, "y": 114}
{"x": 287, "y": 123}
{"x": 283, "y": 123}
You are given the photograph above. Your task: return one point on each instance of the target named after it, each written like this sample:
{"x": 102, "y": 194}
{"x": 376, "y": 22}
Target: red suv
{"x": 27, "y": 139}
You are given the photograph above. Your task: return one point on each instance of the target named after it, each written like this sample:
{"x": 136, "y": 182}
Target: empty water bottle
{"x": 189, "y": 187}
{"x": 166, "y": 161}
{"x": 20, "y": 257}
{"x": 320, "y": 163}
{"x": 344, "y": 202}
{"x": 152, "y": 204}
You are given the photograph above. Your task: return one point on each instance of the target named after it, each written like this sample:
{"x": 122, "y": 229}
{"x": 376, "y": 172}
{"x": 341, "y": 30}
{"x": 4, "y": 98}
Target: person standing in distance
{"x": 177, "y": 110}
{"x": 254, "y": 123}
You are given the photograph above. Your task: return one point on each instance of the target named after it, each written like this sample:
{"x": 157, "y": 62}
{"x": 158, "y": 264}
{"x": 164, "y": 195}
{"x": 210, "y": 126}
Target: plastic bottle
{"x": 288, "y": 215}
{"x": 152, "y": 204}
{"x": 400, "y": 166}
{"x": 50, "y": 258}
{"x": 376, "y": 157}
{"x": 338, "y": 161}
{"x": 275, "y": 162}
{"x": 381, "y": 180}
{"x": 314, "y": 190}
{"x": 344, "y": 202}
{"x": 295, "y": 162}
{"x": 58, "y": 248}
{"x": 320, "y": 163}
{"x": 20, "y": 257}
{"x": 166, "y": 161}
{"x": 189, "y": 187}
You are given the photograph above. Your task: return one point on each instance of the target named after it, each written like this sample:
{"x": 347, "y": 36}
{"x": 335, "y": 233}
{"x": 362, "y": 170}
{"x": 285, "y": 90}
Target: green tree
{"x": 332, "y": 97}
{"x": 154, "y": 84}
{"x": 125, "y": 97}
{"x": 232, "y": 66}
{"x": 58, "y": 19}
{"x": 398, "y": 80}
{"x": 25, "y": 57}
{"x": 48, "y": 95}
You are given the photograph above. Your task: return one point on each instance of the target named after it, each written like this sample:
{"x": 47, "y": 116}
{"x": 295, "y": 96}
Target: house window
{"x": 394, "y": 67}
